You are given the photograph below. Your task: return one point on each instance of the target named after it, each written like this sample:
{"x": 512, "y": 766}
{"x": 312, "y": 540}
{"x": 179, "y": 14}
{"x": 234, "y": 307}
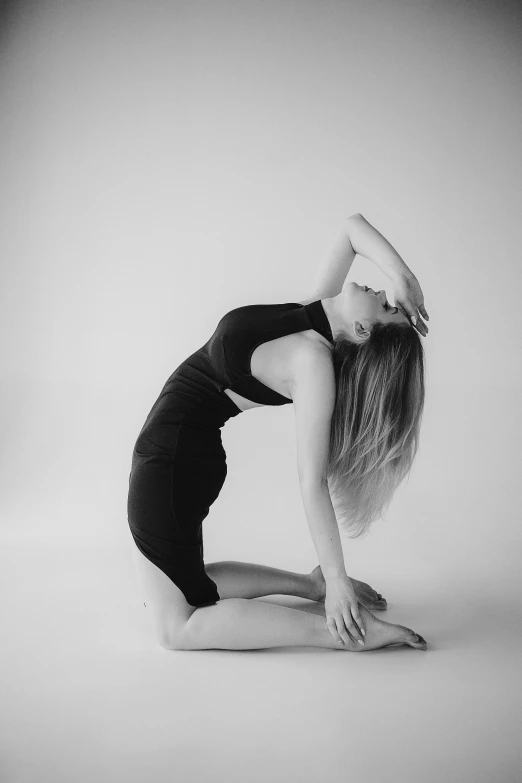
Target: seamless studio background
{"x": 163, "y": 163}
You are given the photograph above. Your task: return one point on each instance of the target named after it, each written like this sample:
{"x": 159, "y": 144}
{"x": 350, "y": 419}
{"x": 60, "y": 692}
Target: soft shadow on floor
{"x": 88, "y": 695}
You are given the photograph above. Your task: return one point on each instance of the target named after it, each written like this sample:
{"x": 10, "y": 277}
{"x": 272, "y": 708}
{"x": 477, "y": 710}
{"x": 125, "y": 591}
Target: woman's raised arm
{"x": 370, "y": 243}
{"x": 357, "y": 237}
{"x": 366, "y": 241}
{"x": 334, "y": 266}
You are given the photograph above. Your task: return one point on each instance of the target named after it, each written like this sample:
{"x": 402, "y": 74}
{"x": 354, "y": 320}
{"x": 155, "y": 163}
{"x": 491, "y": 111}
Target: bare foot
{"x": 379, "y": 633}
{"x": 365, "y": 594}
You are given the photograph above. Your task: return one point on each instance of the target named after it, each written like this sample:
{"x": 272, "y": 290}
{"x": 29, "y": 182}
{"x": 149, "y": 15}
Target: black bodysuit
{"x": 178, "y": 462}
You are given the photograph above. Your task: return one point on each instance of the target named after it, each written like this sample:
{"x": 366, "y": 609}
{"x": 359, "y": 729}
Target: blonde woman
{"x": 353, "y": 367}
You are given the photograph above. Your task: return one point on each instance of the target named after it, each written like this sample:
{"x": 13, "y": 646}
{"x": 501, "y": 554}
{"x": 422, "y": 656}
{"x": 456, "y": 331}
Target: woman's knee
{"x": 170, "y": 628}
{"x": 172, "y": 638}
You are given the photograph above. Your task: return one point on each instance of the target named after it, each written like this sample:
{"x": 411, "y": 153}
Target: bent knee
{"x": 172, "y": 639}
{"x": 171, "y": 644}
{"x": 185, "y": 636}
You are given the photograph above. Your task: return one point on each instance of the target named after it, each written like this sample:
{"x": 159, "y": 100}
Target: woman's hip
{"x": 176, "y": 476}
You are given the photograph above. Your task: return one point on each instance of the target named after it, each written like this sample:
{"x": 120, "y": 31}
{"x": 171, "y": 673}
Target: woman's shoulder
{"x": 310, "y": 371}
{"x": 311, "y": 352}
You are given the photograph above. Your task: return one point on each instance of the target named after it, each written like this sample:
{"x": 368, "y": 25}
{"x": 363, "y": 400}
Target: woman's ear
{"x": 361, "y": 332}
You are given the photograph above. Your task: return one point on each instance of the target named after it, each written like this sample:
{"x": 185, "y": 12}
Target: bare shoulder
{"x": 311, "y": 347}
{"x": 311, "y": 369}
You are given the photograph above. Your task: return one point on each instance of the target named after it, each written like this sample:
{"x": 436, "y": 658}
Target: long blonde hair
{"x": 375, "y": 424}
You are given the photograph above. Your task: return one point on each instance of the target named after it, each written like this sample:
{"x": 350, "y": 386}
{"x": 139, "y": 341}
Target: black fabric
{"x": 178, "y": 461}
{"x": 170, "y": 493}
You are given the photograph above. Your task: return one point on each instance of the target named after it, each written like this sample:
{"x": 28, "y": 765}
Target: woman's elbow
{"x": 356, "y": 217}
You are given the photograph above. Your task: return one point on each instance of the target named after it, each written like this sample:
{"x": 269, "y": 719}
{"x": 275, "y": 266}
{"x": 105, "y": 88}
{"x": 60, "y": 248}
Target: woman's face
{"x": 364, "y": 306}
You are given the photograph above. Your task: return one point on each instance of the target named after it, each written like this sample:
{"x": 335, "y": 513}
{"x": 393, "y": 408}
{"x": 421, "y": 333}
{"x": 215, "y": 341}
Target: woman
{"x": 353, "y": 367}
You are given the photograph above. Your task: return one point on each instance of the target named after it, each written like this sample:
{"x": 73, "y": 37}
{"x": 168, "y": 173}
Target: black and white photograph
{"x": 261, "y": 384}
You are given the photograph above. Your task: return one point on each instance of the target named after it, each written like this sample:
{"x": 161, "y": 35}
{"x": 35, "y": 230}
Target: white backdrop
{"x": 162, "y": 166}
{"x": 166, "y": 162}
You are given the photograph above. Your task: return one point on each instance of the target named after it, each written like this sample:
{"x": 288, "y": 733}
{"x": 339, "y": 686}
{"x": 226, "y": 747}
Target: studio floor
{"x": 88, "y": 696}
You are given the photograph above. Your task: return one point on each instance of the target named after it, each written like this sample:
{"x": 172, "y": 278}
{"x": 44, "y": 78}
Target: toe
{"x": 417, "y": 641}
{"x": 423, "y": 644}
{"x": 377, "y": 606}
{"x": 374, "y": 601}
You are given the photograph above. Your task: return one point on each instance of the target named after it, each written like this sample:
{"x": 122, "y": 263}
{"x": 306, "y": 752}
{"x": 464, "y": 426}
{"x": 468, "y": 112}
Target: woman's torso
{"x": 245, "y": 364}
{"x": 271, "y": 364}
{"x": 259, "y": 342}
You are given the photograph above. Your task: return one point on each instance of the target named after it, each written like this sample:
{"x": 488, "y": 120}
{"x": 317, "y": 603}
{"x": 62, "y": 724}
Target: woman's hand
{"x": 342, "y": 611}
{"x": 409, "y": 299}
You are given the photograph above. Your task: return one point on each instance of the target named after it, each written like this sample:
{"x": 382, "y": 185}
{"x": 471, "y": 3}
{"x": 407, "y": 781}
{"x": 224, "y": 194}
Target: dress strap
{"x": 318, "y": 319}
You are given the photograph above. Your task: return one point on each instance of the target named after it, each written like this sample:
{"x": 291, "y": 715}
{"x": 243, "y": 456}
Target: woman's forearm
{"x": 335, "y": 264}
{"x": 323, "y": 526}
{"x": 369, "y": 243}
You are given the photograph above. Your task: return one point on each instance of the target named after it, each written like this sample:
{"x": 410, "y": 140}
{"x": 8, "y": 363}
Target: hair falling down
{"x": 375, "y": 423}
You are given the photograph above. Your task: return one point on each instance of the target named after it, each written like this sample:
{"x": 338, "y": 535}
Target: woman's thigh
{"x": 165, "y": 603}
{"x": 169, "y": 497}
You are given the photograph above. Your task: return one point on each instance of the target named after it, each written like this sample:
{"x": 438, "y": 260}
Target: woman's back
{"x": 205, "y": 382}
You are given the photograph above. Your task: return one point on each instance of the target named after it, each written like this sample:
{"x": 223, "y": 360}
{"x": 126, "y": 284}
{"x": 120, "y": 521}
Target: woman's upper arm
{"x": 335, "y": 264}
{"x": 313, "y": 394}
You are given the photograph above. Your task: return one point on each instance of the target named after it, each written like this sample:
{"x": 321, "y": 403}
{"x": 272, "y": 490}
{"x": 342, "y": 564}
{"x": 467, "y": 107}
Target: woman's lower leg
{"x": 249, "y": 580}
{"x": 243, "y": 624}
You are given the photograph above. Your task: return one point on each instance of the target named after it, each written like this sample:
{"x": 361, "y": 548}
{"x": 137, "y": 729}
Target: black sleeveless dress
{"x": 178, "y": 462}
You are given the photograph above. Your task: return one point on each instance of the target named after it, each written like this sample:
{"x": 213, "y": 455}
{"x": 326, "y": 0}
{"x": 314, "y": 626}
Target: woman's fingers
{"x": 332, "y": 627}
{"x": 353, "y": 626}
{"x": 421, "y": 327}
{"x": 353, "y": 631}
{"x": 358, "y": 619}
{"x": 412, "y": 314}
{"x": 409, "y": 299}
{"x": 341, "y": 628}
{"x": 337, "y": 627}
{"x": 422, "y": 311}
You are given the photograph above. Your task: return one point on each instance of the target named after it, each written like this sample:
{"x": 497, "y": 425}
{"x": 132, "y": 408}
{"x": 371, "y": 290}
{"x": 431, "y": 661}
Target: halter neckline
{"x": 318, "y": 318}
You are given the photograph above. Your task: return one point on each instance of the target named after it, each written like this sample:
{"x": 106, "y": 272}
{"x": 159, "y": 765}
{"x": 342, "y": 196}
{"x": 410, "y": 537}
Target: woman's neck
{"x": 336, "y": 313}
